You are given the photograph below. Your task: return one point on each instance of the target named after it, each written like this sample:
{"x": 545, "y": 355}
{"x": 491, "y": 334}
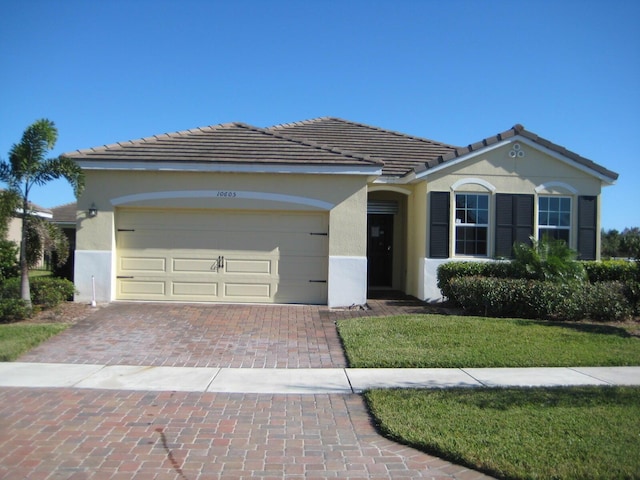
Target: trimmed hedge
{"x": 611, "y": 293}
{"x": 508, "y": 297}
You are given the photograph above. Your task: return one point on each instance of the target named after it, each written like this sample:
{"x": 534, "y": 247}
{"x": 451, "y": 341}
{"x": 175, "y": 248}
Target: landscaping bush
{"x": 13, "y": 310}
{"x": 628, "y": 273}
{"x": 447, "y": 271}
{"x": 605, "y": 301}
{"x": 8, "y": 260}
{"x": 46, "y": 292}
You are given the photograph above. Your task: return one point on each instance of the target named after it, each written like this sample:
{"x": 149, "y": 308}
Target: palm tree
{"x": 28, "y": 167}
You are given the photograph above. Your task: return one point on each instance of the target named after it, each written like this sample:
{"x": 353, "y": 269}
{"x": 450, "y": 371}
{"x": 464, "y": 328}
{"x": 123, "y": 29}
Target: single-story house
{"x": 318, "y": 211}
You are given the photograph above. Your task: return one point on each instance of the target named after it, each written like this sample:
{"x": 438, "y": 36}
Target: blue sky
{"x": 454, "y": 71}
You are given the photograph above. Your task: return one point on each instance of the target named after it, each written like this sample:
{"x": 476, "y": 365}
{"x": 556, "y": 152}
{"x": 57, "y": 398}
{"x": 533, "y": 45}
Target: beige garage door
{"x": 219, "y": 256}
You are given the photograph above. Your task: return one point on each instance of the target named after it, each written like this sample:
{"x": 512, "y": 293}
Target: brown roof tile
{"x": 400, "y": 153}
{"x": 231, "y": 143}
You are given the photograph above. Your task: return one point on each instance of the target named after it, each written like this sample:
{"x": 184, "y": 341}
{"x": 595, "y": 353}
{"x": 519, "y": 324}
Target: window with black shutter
{"x": 514, "y": 222}
{"x": 439, "y": 225}
{"x": 587, "y": 227}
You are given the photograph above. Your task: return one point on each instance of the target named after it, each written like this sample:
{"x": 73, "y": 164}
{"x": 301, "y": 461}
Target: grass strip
{"x": 448, "y": 341}
{"x": 538, "y": 433}
{"x": 15, "y": 339}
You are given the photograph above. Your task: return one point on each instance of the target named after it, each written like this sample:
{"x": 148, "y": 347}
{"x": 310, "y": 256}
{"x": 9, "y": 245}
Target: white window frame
{"x": 460, "y": 224}
{"x": 559, "y": 211}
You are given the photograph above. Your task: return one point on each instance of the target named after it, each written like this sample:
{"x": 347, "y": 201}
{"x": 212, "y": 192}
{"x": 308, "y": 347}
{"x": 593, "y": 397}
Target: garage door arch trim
{"x": 222, "y": 194}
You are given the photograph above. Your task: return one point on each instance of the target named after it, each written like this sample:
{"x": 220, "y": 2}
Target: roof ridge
{"x": 364, "y": 125}
{"x": 310, "y": 143}
{"x": 151, "y": 138}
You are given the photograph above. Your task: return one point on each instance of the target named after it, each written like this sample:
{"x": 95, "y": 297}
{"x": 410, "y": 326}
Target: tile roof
{"x": 515, "y": 131}
{"x": 400, "y": 153}
{"x": 320, "y": 141}
{"x": 65, "y": 213}
{"x": 230, "y": 143}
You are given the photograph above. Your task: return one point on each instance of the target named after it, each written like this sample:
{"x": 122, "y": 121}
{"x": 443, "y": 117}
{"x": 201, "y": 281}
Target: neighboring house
{"x": 14, "y": 231}
{"x": 318, "y": 211}
{"x": 65, "y": 217}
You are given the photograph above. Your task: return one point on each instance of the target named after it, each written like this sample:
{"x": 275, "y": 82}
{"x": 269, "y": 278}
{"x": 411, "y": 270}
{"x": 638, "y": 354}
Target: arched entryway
{"x": 386, "y": 239}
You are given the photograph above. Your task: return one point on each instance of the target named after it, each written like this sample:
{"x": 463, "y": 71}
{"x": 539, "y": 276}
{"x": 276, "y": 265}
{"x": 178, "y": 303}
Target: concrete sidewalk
{"x": 300, "y": 380}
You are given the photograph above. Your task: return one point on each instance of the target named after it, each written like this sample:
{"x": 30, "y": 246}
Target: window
{"x": 472, "y": 223}
{"x": 554, "y": 218}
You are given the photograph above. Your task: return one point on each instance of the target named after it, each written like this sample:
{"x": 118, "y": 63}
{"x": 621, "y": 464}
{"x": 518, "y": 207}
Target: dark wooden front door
{"x": 380, "y": 250}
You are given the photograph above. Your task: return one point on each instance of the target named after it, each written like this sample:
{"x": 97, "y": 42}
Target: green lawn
{"x": 561, "y": 433}
{"x": 441, "y": 341}
{"x": 512, "y": 433}
{"x": 16, "y": 338}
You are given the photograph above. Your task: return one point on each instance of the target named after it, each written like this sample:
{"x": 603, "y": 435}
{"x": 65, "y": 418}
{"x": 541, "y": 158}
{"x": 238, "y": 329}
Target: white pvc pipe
{"x": 93, "y": 293}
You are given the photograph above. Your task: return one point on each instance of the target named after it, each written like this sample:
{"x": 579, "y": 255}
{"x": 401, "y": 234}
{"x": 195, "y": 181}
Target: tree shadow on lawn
{"x": 586, "y": 327}
{"x": 546, "y": 397}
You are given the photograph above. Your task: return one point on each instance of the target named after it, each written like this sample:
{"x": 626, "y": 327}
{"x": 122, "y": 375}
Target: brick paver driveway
{"x": 102, "y": 434}
{"x": 267, "y": 336}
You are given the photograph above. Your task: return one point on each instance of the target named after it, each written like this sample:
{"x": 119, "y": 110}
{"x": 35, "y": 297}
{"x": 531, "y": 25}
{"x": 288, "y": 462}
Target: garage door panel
{"x": 195, "y": 265}
{"x": 248, "y": 290}
{"x": 132, "y": 287}
{"x": 194, "y": 289}
{"x": 248, "y": 266}
{"x": 222, "y": 256}
{"x": 130, "y": 264}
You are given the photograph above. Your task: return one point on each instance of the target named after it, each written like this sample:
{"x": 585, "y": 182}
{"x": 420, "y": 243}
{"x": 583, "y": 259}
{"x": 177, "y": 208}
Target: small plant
{"x": 548, "y": 259}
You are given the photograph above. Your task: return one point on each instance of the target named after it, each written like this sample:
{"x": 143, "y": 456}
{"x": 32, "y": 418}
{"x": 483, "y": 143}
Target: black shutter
{"x": 439, "y": 224}
{"x": 514, "y": 222}
{"x": 587, "y": 232}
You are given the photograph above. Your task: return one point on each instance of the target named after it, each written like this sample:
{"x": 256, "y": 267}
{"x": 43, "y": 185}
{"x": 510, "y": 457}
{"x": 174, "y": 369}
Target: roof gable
{"x": 513, "y": 134}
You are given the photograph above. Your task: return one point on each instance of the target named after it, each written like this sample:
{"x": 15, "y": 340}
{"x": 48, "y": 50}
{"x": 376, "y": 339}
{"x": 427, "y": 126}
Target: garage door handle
{"x": 122, "y": 276}
{"x": 319, "y": 233}
{"x": 317, "y": 281}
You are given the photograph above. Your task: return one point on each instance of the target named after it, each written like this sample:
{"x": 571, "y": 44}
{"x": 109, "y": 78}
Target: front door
{"x": 380, "y": 250}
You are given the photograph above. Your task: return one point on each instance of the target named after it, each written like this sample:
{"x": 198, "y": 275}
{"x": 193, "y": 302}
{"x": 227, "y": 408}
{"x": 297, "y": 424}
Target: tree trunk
{"x": 25, "y": 288}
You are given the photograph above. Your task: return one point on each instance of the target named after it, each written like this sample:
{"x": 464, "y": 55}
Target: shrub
{"x": 45, "y": 291}
{"x": 525, "y": 298}
{"x": 447, "y": 271}
{"x": 627, "y": 273}
{"x": 13, "y": 310}
{"x": 49, "y": 292}
{"x": 8, "y": 259}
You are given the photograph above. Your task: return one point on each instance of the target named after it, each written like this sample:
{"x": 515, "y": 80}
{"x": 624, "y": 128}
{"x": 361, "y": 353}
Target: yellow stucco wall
{"x": 346, "y": 194}
{"x": 521, "y": 175}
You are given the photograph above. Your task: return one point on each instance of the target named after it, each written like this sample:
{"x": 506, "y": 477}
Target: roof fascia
{"x": 233, "y": 168}
{"x": 413, "y": 177}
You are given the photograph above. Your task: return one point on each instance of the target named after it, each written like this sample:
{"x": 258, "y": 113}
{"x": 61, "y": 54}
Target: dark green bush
{"x": 45, "y": 291}
{"x": 13, "y": 310}
{"x": 622, "y": 271}
{"x": 8, "y": 260}
{"x": 447, "y": 271}
{"x": 503, "y": 297}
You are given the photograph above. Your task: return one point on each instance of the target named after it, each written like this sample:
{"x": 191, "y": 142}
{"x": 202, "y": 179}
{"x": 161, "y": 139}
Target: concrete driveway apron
{"x": 55, "y": 433}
